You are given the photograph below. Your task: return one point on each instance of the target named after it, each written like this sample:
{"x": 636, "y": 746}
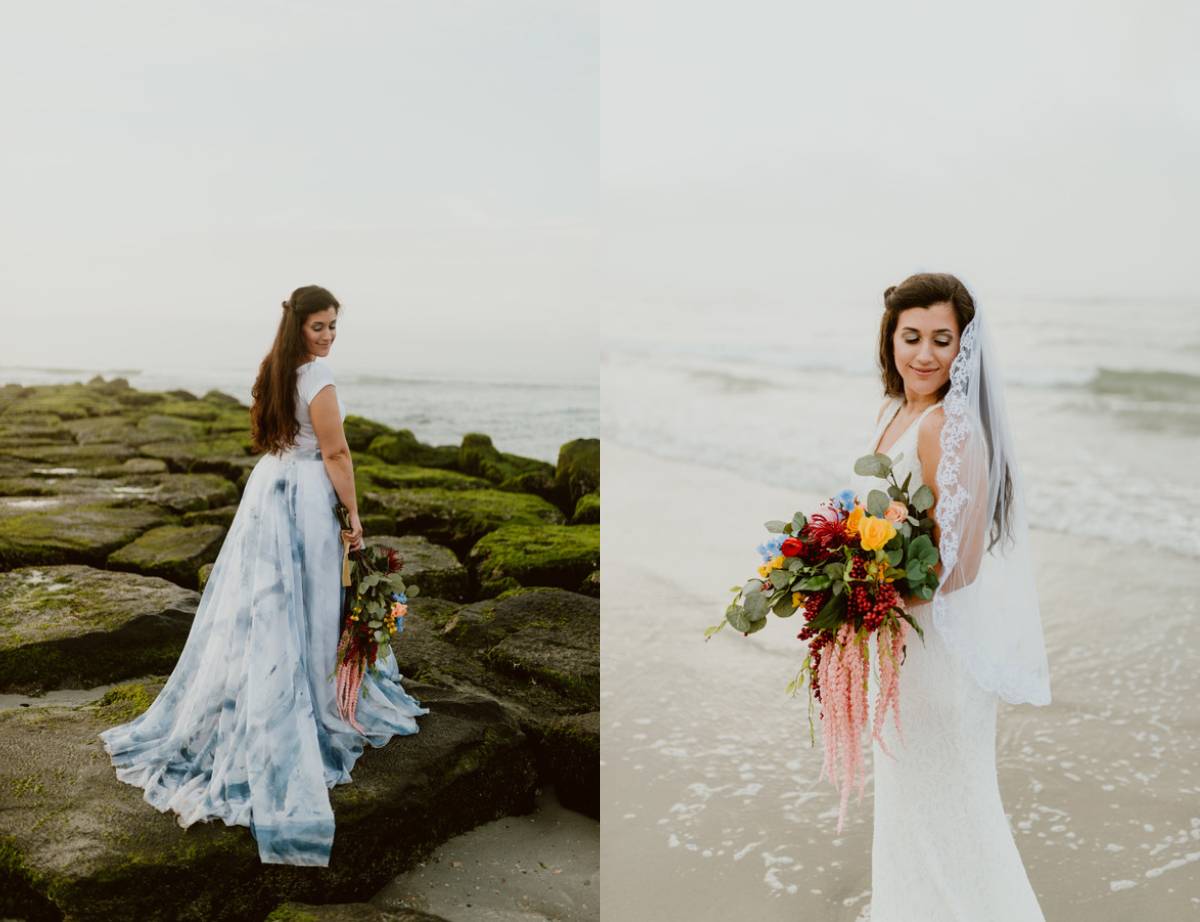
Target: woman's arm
{"x": 335, "y": 452}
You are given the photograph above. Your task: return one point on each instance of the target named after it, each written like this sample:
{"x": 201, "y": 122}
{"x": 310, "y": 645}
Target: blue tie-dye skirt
{"x": 246, "y": 729}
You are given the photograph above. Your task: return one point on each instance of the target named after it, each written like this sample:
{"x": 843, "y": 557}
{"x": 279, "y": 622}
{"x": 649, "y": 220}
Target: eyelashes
{"x": 913, "y": 342}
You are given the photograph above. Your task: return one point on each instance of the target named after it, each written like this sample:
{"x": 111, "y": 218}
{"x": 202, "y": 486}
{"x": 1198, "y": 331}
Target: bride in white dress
{"x": 246, "y": 729}
{"x": 942, "y": 849}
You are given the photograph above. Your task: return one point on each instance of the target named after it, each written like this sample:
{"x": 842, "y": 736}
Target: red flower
{"x": 791, "y": 547}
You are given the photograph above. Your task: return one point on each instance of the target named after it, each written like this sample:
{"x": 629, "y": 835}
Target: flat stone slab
{"x": 76, "y": 841}
{"x": 174, "y": 552}
{"x": 435, "y": 569}
{"x": 64, "y": 529}
{"x": 75, "y": 626}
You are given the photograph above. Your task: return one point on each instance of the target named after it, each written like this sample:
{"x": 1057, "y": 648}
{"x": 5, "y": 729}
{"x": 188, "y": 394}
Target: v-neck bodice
{"x": 903, "y": 452}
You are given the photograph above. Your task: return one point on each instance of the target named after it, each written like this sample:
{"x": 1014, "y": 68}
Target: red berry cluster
{"x": 814, "y": 602}
{"x": 818, "y": 642}
{"x": 858, "y": 568}
{"x": 886, "y": 598}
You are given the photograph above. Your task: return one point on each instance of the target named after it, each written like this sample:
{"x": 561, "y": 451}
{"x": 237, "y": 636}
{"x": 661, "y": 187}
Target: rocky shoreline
{"x": 114, "y": 503}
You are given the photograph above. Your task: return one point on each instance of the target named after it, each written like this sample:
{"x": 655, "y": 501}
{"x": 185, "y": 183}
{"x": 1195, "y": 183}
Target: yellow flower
{"x": 777, "y": 563}
{"x": 855, "y": 519}
{"x": 876, "y": 532}
{"x": 797, "y": 599}
{"x": 765, "y": 570}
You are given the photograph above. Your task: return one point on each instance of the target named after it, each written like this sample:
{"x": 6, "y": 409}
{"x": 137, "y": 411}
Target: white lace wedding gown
{"x": 942, "y": 849}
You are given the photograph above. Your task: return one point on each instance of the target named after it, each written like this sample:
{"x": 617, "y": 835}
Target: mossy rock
{"x": 587, "y": 510}
{"x": 361, "y": 432}
{"x": 346, "y": 912}
{"x": 459, "y": 518}
{"x": 563, "y": 657}
{"x": 484, "y": 624}
{"x": 221, "y": 399}
{"x": 77, "y": 842}
{"x": 66, "y": 401}
{"x": 578, "y": 469}
{"x": 203, "y": 575}
{"x": 60, "y": 529}
{"x": 222, "y": 515}
{"x": 431, "y": 567}
{"x": 383, "y": 477}
{"x": 174, "y": 552}
{"x": 477, "y": 455}
{"x": 194, "y": 409}
{"x": 539, "y": 555}
{"x": 568, "y": 748}
{"x": 401, "y": 447}
{"x": 82, "y": 458}
{"x": 217, "y": 456}
{"x": 76, "y": 626}
{"x": 136, "y": 466}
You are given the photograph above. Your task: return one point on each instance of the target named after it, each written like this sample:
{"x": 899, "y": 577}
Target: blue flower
{"x": 846, "y": 498}
{"x": 399, "y": 597}
{"x": 769, "y": 549}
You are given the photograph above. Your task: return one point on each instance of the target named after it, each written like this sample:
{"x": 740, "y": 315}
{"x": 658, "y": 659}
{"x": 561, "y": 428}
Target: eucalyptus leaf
{"x": 835, "y": 570}
{"x": 775, "y": 526}
{"x": 780, "y": 578}
{"x": 784, "y": 607}
{"x": 799, "y": 520}
{"x": 738, "y": 618}
{"x": 877, "y": 503}
{"x": 814, "y": 583}
{"x": 756, "y": 605}
{"x": 923, "y": 498}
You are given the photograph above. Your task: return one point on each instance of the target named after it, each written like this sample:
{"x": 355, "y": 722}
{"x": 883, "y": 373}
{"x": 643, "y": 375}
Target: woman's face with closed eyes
{"x": 320, "y": 330}
{"x": 924, "y": 345}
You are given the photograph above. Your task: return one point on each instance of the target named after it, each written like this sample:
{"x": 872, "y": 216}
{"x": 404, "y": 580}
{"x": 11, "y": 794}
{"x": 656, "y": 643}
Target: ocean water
{"x": 1103, "y": 396}
{"x": 532, "y": 418}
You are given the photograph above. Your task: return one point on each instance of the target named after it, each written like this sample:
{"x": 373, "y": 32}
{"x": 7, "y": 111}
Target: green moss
{"x": 578, "y": 469}
{"x": 560, "y": 555}
{"x": 289, "y": 912}
{"x": 458, "y": 518}
{"x": 477, "y": 455}
{"x": 60, "y": 531}
{"x": 125, "y": 702}
{"x": 175, "y": 552}
{"x": 587, "y": 510}
{"x": 361, "y": 432}
{"x": 402, "y": 447}
{"x": 411, "y": 476}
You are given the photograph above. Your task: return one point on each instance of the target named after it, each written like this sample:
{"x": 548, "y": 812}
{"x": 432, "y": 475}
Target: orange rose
{"x": 853, "y": 520}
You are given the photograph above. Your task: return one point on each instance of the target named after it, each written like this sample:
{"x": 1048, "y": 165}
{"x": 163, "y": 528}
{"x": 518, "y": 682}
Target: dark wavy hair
{"x": 273, "y": 425}
{"x": 925, "y": 289}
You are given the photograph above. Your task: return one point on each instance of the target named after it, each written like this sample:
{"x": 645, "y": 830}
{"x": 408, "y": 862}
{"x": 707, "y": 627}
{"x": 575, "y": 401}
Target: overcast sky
{"x": 778, "y": 153}
{"x": 475, "y": 180}
{"x": 171, "y": 171}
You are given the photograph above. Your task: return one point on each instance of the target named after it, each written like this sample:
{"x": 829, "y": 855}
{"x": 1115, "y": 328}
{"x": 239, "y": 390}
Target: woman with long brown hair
{"x": 247, "y": 728}
{"x": 942, "y": 849}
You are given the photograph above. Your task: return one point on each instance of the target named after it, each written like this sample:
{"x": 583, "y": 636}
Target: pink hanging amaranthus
{"x": 842, "y": 674}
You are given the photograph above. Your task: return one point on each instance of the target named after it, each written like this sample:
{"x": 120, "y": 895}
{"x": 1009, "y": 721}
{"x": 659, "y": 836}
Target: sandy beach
{"x": 710, "y": 799}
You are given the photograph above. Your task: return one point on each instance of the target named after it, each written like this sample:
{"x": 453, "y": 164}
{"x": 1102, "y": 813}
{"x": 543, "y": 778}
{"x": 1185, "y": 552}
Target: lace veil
{"x": 986, "y": 605}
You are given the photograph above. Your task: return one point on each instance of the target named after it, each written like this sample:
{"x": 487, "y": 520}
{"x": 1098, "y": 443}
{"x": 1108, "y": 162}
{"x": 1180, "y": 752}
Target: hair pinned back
{"x": 921, "y": 290}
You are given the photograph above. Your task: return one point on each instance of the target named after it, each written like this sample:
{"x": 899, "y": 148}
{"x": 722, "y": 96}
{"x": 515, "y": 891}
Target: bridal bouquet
{"x": 375, "y": 606}
{"x": 851, "y": 568}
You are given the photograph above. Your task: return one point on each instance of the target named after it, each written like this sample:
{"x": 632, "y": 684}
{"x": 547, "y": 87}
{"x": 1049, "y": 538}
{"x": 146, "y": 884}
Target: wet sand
{"x": 544, "y": 867}
{"x": 710, "y": 799}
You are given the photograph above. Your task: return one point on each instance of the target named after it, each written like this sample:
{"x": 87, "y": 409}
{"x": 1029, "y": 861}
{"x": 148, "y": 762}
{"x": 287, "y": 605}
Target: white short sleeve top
{"x": 311, "y": 378}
